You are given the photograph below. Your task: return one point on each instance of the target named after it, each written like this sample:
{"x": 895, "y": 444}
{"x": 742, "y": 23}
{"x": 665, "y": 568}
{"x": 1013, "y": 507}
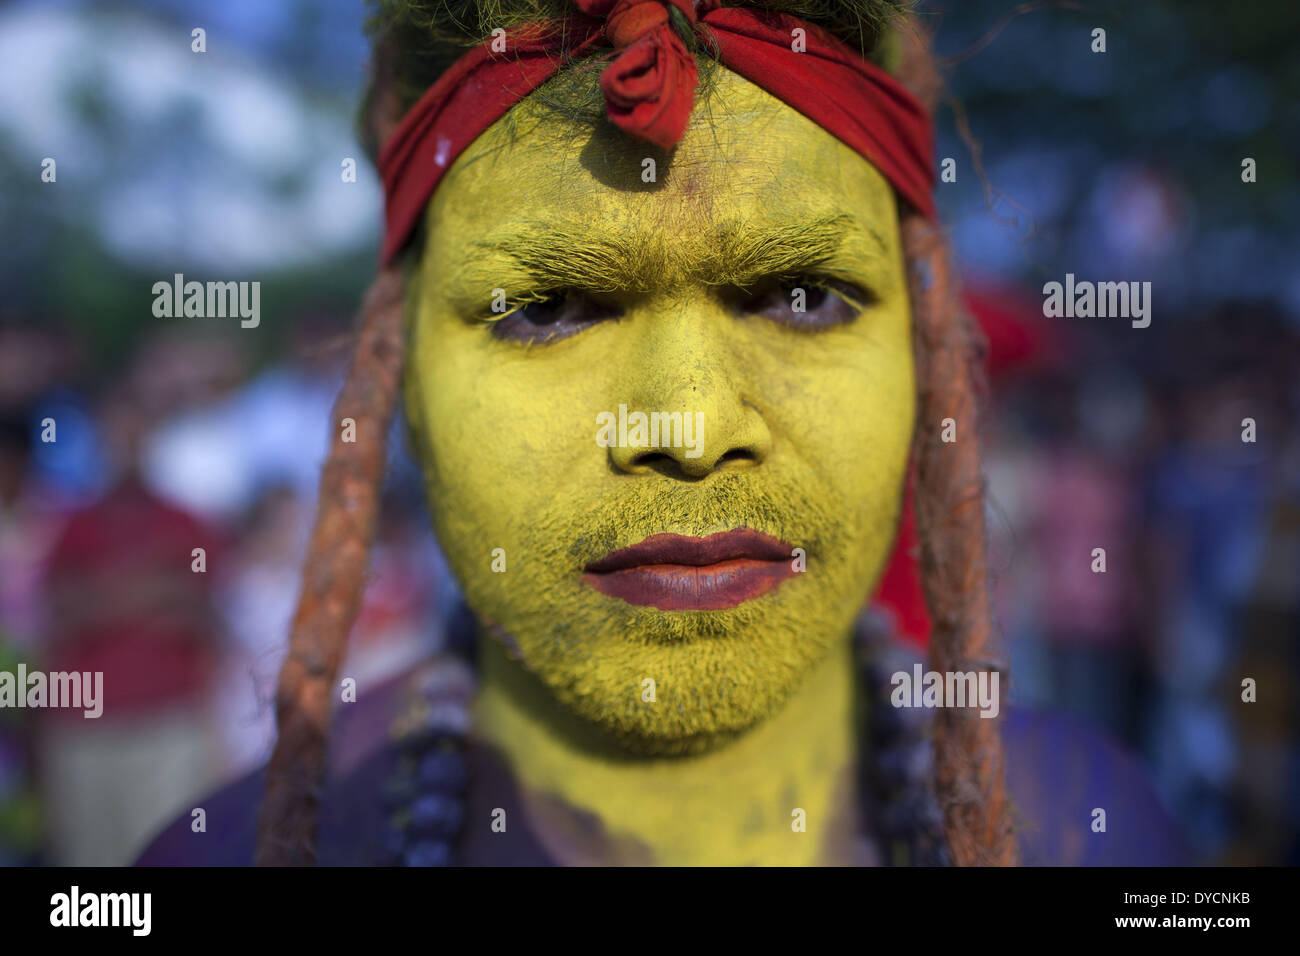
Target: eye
{"x": 539, "y": 318}
{"x": 805, "y": 302}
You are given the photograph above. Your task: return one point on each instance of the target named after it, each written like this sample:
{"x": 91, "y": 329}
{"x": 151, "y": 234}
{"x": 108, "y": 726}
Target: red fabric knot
{"x": 650, "y": 82}
{"x": 627, "y": 21}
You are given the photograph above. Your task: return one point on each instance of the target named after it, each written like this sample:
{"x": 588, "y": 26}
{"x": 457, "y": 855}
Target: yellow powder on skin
{"x": 758, "y": 696}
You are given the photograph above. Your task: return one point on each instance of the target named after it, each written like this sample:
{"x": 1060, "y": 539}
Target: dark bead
{"x": 399, "y": 790}
{"x": 427, "y": 853}
{"x": 901, "y": 766}
{"x": 423, "y": 739}
{"x": 436, "y": 815}
{"x": 442, "y": 770}
{"x": 444, "y": 722}
{"x": 394, "y": 846}
{"x": 886, "y": 722}
{"x": 903, "y": 816}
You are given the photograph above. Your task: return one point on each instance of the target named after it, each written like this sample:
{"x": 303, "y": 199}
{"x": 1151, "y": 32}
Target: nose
{"x": 687, "y": 415}
{"x": 701, "y": 451}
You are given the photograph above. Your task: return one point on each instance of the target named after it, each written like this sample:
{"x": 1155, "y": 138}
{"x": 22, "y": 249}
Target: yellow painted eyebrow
{"x": 554, "y": 256}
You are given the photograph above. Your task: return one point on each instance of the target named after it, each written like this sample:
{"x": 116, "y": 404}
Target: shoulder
{"x": 229, "y": 824}
{"x": 1060, "y": 773}
{"x": 351, "y": 814}
{"x": 365, "y": 757}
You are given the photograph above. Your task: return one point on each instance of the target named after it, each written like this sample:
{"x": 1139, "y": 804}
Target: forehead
{"x": 747, "y": 158}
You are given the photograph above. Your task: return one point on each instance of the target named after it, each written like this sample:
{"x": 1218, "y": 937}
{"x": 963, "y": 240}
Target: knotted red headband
{"x": 649, "y": 88}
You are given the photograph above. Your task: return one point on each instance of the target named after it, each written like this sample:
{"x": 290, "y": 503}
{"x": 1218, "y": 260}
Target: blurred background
{"x": 228, "y": 165}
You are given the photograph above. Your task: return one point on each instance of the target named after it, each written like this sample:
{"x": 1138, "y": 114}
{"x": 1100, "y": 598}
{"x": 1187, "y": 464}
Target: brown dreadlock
{"x": 949, "y": 494}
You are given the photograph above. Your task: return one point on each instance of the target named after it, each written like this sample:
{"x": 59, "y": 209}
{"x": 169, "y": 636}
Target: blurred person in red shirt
{"x": 128, "y": 597}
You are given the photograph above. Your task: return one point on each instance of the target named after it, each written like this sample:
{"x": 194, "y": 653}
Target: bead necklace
{"x": 425, "y": 798}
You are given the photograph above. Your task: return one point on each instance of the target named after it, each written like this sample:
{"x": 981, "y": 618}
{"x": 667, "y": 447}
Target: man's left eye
{"x": 805, "y": 302}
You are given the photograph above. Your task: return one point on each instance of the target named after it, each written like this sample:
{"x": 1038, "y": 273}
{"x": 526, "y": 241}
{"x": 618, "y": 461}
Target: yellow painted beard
{"x": 715, "y": 672}
{"x": 523, "y": 498}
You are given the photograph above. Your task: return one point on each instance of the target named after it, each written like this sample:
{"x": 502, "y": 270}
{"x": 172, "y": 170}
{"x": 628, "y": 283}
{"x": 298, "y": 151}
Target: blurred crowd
{"x": 152, "y": 525}
{"x": 1145, "y": 531}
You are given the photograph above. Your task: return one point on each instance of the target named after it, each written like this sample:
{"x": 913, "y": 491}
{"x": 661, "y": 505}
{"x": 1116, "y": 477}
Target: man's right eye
{"x": 551, "y": 316}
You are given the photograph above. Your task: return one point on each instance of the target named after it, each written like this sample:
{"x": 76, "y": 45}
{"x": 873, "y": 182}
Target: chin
{"x": 715, "y": 675}
{"x": 658, "y": 730}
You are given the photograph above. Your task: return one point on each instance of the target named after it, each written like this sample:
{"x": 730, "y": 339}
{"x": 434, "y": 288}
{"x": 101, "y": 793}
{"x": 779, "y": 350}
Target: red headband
{"x": 649, "y": 88}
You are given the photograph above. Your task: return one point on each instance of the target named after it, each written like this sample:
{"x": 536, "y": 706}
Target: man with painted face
{"x": 679, "y": 339}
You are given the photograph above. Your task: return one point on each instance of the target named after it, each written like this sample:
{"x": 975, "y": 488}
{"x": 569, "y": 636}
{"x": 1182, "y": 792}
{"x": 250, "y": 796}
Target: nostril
{"x": 737, "y": 454}
{"x": 652, "y": 459}
{"x": 669, "y": 464}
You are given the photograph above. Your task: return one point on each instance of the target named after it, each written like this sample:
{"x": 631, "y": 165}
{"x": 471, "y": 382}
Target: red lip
{"x": 672, "y": 572}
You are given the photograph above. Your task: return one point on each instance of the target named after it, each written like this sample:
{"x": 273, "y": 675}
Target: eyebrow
{"x": 735, "y": 253}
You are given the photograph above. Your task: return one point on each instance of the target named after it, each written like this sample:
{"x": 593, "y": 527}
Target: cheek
{"x": 867, "y": 423}
{"x": 845, "y": 405}
{"x": 504, "y": 435}
{"x": 847, "y": 414}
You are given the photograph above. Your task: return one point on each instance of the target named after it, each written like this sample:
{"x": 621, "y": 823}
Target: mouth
{"x": 673, "y": 572}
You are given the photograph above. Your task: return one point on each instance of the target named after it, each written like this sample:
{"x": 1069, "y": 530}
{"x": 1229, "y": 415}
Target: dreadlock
{"x": 414, "y": 41}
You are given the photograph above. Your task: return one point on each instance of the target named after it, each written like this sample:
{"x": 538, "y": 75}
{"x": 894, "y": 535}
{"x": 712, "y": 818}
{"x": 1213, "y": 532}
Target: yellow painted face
{"x": 753, "y": 285}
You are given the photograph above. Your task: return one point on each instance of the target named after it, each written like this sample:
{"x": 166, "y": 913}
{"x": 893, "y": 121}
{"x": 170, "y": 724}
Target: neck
{"x": 591, "y": 802}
